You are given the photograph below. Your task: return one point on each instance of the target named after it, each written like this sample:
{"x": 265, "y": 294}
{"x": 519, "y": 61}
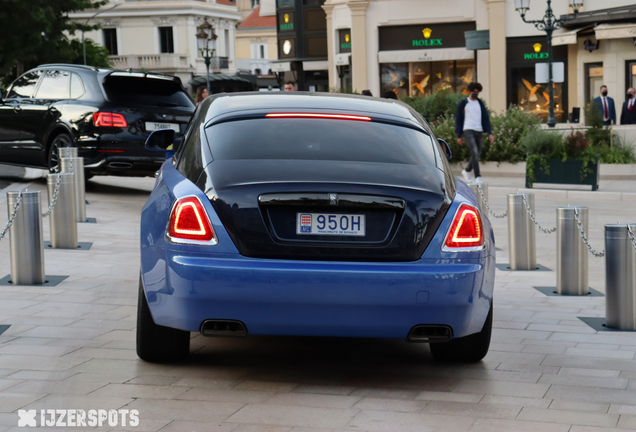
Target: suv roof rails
{"x": 92, "y": 68}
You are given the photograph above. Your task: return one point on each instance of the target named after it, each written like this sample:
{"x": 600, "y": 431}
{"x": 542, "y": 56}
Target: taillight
{"x": 109, "y": 119}
{"x": 189, "y": 222}
{"x": 466, "y": 232}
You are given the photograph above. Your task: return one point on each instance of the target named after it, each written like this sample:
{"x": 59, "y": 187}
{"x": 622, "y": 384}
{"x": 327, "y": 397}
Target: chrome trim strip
{"x": 26, "y": 144}
{"x": 325, "y": 199}
{"x": 95, "y": 165}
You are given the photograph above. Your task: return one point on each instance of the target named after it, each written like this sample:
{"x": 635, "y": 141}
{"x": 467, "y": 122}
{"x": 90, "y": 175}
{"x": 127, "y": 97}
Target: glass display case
{"x": 426, "y": 78}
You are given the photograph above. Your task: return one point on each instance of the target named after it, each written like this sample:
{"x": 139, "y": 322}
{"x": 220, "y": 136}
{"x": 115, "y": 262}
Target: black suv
{"x": 106, "y": 113}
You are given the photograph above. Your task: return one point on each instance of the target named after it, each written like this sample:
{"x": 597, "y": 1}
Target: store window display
{"x": 426, "y": 78}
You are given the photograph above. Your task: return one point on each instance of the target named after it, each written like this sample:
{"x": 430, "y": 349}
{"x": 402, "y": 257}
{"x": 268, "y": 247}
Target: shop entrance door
{"x": 630, "y": 74}
{"x": 316, "y": 81}
{"x": 593, "y": 81}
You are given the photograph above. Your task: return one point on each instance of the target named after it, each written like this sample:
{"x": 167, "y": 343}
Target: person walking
{"x": 471, "y": 122}
{"x": 290, "y": 86}
{"x": 607, "y": 107}
{"x": 628, "y": 113}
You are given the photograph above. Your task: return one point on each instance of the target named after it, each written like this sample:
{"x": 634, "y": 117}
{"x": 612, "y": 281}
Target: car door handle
{"x": 54, "y": 110}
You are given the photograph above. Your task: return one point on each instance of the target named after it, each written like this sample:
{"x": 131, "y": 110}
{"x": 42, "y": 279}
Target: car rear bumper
{"x": 315, "y": 298}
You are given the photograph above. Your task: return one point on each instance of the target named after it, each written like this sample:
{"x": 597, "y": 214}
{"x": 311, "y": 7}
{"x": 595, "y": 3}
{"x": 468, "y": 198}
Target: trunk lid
{"x": 261, "y": 204}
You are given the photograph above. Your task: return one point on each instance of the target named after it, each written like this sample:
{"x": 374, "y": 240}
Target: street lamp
{"x": 206, "y": 42}
{"x": 86, "y": 23}
{"x": 548, "y": 24}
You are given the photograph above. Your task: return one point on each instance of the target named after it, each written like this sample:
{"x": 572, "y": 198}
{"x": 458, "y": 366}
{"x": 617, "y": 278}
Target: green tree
{"x": 34, "y": 32}
{"x": 96, "y": 55}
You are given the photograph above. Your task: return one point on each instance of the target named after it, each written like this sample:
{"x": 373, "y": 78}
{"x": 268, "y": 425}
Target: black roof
{"x": 227, "y": 103}
{"x": 111, "y": 71}
{"x": 625, "y": 14}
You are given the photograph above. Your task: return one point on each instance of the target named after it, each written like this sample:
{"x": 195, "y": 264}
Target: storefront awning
{"x": 281, "y": 66}
{"x": 561, "y": 37}
{"x": 315, "y": 65}
{"x": 615, "y": 31}
{"x": 342, "y": 59}
{"x": 407, "y": 56}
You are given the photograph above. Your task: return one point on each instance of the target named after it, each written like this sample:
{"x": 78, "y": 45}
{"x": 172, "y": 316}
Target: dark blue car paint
{"x": 186, "y": 284}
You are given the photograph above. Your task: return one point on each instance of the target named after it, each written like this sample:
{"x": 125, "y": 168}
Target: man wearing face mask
{"x": 607, "y": 107}
{"x": 471, "y": 122}
{"x": 628, "y": 114}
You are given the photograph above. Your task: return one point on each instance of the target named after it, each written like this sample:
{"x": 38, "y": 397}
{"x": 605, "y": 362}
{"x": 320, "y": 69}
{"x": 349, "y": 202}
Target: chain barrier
{"x": 54, "y": 199}
{"x": 532, "y": 217}
{"x": 584, "y": 236}
{"x": 630, "y": 234}
{"x": 485, "y": 201}
{"x": 16, "y": 207}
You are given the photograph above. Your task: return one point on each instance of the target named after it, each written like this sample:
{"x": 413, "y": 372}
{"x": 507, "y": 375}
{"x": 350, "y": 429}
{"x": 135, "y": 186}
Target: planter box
{"x": 568, "y": 172}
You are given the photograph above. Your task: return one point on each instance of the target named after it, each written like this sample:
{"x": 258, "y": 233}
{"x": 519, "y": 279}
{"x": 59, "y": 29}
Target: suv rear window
{"x": 320, "y": 139}
{"x": 146, "y": 92}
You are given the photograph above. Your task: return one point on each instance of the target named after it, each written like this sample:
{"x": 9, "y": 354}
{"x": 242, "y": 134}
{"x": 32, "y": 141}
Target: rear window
{"x": 320, "y": 139}
{"x": 146, "y": 92}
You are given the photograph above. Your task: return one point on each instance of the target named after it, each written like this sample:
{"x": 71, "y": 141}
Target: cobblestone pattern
{"x": 72, "y": 346}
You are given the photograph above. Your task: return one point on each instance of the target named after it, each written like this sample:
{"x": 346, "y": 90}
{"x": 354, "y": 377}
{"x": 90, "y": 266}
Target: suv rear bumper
{"x": 131, "y": 166}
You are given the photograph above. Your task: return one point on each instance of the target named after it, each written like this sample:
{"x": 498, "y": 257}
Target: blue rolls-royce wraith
{"x": 312, "y": 215}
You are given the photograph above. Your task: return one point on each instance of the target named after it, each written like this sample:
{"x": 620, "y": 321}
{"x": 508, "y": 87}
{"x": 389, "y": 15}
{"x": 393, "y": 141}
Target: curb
{"x": 571, "y": 194}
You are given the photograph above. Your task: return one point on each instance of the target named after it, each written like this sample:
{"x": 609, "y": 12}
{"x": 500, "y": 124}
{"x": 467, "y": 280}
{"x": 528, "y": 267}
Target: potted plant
{"x": 554, "y": 159}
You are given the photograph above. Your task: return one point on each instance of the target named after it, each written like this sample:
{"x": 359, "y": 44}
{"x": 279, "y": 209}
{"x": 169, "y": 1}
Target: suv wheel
{"x": 468, "y": 349}
{"x": 62, "y": 140}
{"x": 155, "y": 343}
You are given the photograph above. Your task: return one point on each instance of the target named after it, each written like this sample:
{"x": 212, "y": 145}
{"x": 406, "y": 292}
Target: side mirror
{"x": 161, "y": 140}
{"x": 446, "y": 148}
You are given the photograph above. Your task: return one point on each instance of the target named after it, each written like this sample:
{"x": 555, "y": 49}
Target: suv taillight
{"x": 190, "y": 223}
{"x": 109, "y": 119}
{"x": 466, "y": 232}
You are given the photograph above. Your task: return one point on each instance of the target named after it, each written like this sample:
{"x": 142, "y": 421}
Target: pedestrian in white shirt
{"x": 471, "y": 122}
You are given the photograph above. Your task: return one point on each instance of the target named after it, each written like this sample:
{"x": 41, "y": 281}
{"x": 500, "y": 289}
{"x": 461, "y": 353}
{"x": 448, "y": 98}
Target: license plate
{"x": 153, "y": 126}
{"x": 330, "y": 224}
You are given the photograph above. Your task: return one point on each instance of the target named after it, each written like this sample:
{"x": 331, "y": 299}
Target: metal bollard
{"x": 480, "y": 200}
{"x": 620, "y": 278}
{"x": 521, "y": 233}
{"x": 67, "y": 152}
{"x": 572, "y": 258}
{"x": 26, "y": 239}
{"x": 63, "y": 220}
{"x": 75, "y": 165}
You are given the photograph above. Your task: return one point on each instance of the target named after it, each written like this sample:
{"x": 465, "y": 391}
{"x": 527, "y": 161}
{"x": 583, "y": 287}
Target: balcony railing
{"x": 153, "y": 62}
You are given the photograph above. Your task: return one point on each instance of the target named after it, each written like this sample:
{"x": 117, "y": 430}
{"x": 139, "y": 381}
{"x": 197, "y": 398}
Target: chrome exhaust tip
{"x": 120, "y": 165}
{"x": 223, "y": 328}
{"x": 430, "y": 333}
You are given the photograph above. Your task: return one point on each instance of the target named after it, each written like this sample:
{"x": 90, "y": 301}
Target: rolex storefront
{"x": 419, "y": 60}
{"x": 522, "y": 55}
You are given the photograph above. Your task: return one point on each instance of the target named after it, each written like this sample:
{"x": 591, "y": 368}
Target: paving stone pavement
{"x": 72, "y": 346}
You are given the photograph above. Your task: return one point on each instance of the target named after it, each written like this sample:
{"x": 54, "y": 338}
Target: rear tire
{"x": 155, "y": 343}
{"x": 468, "y": 349}
{"x": 53, "y": 157}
